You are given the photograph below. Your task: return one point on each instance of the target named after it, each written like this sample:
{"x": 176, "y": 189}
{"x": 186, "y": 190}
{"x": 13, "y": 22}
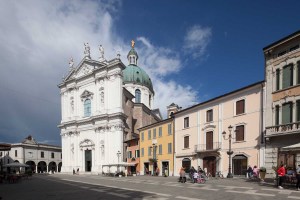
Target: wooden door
{"x": 210, "y": 164}
{"x": 209, "y": 140}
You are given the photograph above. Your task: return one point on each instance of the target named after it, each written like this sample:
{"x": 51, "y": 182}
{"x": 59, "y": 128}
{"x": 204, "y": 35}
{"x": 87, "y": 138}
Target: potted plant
{"x": 262, "y": 172}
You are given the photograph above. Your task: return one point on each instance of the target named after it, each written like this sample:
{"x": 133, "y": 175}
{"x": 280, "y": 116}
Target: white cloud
{"x": 196, "y": 40}
{"x": 159, "y": 61}
{"x": 38, "y": 38}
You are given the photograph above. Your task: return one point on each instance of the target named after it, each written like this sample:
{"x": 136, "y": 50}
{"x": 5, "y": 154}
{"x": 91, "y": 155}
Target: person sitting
{"x": 290, "y": 174}
{"x": 255, "y": 172}
{"x": 249, "y": 171}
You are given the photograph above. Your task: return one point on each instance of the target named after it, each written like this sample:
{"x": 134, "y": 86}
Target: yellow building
{"x": 157, "y": 148}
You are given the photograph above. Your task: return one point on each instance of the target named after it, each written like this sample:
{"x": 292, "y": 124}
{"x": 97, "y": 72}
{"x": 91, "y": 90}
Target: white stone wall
{"x": 102, "y": 132}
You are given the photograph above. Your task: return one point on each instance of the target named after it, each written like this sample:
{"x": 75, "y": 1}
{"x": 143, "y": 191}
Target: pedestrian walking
{"x": 281, "y": 173}
{"x": 182, "y": 178}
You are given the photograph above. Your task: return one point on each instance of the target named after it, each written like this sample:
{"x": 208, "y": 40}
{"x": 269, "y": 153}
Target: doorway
{"x": 88, "y": 160}
{"x": 210, "y": 164}
{"x": 239, "y": 163}
{"x": 146, "y": 168}
{"x": 165, "y": 168}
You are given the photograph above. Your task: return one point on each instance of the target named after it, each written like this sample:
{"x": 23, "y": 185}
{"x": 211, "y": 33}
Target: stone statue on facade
{"x": 87, "y": 50}
{"x": 71, "y": 63}
{"x": 101, "y": 49}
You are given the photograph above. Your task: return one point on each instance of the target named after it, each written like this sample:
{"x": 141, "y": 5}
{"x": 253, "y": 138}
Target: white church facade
{"x": 98, "y": 101}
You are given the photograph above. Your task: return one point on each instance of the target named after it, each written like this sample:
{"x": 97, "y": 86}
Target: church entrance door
{"x": 88, "y": 160}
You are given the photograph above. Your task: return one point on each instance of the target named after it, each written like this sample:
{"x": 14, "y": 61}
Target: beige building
{"x": 282, "y": 70}
{"x": 199, "y": 132}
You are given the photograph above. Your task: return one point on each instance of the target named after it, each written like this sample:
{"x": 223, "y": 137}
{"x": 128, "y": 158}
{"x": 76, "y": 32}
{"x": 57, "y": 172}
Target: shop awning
{"x": 291, "y": 147}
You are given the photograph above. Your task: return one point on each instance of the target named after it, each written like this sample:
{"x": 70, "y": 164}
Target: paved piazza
{"x": 64, "y": 186}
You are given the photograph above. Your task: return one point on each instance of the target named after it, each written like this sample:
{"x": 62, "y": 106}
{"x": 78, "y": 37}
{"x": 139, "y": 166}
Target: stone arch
{"x": 42, "y": 167}
{"x": 52, "y": 166}
{"x": 31, "y": 164}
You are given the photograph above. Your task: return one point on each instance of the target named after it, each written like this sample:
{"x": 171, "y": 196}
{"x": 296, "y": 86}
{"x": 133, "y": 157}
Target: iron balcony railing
{"x": 283, "y": 129}
{"x": 215, "y": 146}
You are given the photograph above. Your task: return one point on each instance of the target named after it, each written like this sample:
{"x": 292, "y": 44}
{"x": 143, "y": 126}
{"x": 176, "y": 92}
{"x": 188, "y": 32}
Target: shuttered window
{"x": 240, "y": 107}
{"x": 186, "y": 142}
{"x": 169, "y": 129}
{"x": 287, "y": 113}
{"x": 154, "y": 133}
{"x": 149, "y": 151}
{"x": 287, "y": 79}
{"x": 142, "y": 152}
{"x": 160, "y": 149}
{"x": 142, "y": 136}
{"x": 149, "y": 135}
{"x": 239, "y": 133}
{"x": 169, "y": 148}
{"x": 298, "y": 110}
{"x": 160, "y": 132}
{"x": 186, "y": 122}
{"x": 209, "y": 115}
{"x": 277, "y": 115}
{"x": 277, "y": 79}
{"x": 209, "y": 140}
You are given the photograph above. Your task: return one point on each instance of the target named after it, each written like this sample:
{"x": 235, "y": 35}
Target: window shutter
{"x": 186, "y": 142}
{"x": 287, "y": 113}
{"x": 209, "y": 140}
{"x": 287, "y": 80}
{"x": 277, "y": 115}
{"x": 298, "y": 110}
{"x": 277, "y": 79}
{"x": 240, "y": 107}
{"x": 239, "y": 134}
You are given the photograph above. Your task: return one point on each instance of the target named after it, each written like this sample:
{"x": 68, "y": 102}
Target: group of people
{"x": 252, "y": 172}
{"x": 194, "y": 174}
{"x": 283, "y": 173}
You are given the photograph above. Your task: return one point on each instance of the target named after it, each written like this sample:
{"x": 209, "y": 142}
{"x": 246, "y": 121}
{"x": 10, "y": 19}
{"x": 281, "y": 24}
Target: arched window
{"x": 150, "y": 100}
{"x": 137, "y": 96}
{"x": 87, "y": 108}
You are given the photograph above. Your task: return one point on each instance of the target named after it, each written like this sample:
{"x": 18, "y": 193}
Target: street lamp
{"x": 118, "y": 154}
{"x": 229, "y": 152}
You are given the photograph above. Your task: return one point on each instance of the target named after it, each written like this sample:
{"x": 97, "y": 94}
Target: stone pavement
{"x": 84, "y": 186}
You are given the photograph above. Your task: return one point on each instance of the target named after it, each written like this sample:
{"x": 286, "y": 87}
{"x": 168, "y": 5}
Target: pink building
{"x": 199, "y": 132}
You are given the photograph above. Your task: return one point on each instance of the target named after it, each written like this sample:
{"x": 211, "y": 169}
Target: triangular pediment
{"x": 85, "y": 67}
{"x": 86, "y": 94}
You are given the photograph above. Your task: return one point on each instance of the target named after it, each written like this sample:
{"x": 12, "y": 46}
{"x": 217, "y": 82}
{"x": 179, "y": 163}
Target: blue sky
{"x": 192, "y": 50}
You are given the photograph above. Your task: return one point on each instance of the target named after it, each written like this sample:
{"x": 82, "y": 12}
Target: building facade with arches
{"x": 199, "y": 131}
{"x": 41, "y": 158}
{"x": 103, "y": 103}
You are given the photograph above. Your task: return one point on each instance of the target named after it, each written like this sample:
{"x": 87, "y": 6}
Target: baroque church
{"x": 103, "y": 103}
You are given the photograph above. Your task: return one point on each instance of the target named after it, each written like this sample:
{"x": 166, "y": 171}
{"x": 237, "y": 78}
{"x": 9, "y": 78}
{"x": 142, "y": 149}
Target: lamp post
{"x": 229, "y": 152}
{"x": 118, "y": 154}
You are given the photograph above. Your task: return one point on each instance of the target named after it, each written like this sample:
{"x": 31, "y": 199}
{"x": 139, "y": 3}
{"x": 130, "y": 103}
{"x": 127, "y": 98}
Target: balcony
{"x": 283, "y": 129}
{"x": 215, "y": 146}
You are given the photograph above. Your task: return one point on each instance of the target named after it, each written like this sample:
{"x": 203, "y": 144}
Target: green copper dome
{"x": 135, "y": 74}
